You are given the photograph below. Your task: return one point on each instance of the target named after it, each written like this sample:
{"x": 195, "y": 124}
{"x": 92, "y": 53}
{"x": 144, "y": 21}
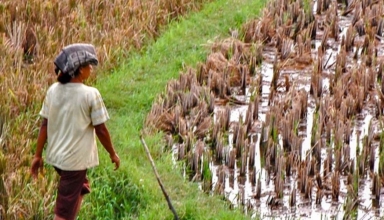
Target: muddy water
{"x": 241, "y": 192}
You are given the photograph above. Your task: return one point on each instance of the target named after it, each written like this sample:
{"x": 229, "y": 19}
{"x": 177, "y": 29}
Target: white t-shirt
{"x": 72, "y": 110}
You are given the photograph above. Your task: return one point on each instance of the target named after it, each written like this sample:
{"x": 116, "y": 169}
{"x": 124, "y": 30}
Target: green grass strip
{"x": 132, "y": 192}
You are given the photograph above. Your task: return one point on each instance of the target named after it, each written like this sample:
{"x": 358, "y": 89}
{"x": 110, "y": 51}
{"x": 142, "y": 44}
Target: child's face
{"x": 86, "y": 71}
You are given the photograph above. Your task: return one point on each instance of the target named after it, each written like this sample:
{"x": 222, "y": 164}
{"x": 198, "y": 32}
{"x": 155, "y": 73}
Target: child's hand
{"x": 116, "y": 160}
{"x": 37, "y": 164}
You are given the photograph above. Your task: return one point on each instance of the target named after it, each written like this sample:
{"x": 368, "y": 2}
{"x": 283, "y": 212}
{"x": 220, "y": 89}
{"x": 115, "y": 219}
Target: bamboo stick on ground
{"x": 158, "y": 178}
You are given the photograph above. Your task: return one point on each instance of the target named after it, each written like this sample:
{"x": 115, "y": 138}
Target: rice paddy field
{"x": 282, "y": 119}
{"x": 286, "y": 120}
{"x": 32, "y": 33}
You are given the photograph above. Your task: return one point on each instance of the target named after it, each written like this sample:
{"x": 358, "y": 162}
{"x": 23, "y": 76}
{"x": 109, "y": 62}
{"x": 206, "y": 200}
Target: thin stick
{"x": 158, "y": 178}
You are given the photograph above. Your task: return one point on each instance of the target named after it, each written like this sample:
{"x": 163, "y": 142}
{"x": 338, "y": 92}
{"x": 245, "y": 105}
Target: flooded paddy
{"x": 287, "y": 122}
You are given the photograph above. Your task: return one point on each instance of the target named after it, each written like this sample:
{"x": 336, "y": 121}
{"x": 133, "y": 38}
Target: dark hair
{"x": 64, "y": 78}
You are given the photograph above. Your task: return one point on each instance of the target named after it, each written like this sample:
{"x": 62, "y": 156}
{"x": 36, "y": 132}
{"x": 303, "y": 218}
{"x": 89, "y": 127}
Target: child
{"x": 73, "y": 114}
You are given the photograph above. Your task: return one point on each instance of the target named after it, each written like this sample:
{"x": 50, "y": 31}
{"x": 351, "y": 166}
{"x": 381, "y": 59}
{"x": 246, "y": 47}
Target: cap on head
{"x": 73, "y": 56}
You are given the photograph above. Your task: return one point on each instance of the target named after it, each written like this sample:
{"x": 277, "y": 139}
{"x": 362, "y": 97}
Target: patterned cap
{"x": 73, "y": 56}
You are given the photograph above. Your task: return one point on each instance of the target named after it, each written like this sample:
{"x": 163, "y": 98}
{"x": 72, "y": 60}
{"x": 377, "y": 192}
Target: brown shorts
{"x": 72, "y": 185}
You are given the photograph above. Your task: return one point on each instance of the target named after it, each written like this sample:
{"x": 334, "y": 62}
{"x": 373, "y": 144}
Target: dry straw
{"x": 31, "y": 34}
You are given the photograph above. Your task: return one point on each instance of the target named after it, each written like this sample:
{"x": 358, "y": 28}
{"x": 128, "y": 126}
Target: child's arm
{"x": 37, "y": 162}
{"x": 105, "y": 139}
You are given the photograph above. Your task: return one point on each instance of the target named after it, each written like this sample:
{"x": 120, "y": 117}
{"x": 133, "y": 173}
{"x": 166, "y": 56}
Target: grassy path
{"x": 133, "y": 192}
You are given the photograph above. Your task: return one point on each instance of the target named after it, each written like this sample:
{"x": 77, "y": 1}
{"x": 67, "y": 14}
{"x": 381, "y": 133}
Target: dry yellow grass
{"x": 31, "y": 34}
